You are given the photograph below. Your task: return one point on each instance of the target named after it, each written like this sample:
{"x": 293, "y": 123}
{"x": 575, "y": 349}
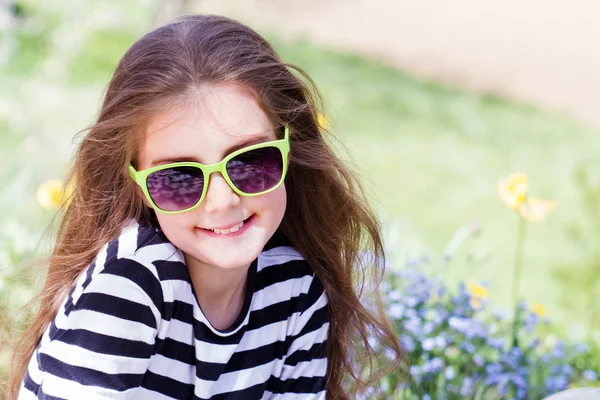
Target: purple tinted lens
{"x": 257, "y": 170}
{"x": 175, "y": 189}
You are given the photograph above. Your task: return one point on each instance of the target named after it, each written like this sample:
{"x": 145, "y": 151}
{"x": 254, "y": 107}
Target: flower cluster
{"x": 458, "y": 348}
{"x": 513, "y": 192}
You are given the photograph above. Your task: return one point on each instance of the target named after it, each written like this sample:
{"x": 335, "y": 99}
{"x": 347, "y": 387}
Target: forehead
{"x": 205, "y": 125}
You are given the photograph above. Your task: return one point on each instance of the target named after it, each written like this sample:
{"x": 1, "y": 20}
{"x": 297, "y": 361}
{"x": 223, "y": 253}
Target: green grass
{"x": 432, "y": 157}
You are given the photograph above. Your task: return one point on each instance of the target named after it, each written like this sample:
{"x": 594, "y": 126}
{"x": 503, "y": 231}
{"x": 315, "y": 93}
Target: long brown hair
{"x": 327, "y": 218}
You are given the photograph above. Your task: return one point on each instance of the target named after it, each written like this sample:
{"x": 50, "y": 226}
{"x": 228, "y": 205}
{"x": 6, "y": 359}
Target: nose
{"x": 219, "y": 196}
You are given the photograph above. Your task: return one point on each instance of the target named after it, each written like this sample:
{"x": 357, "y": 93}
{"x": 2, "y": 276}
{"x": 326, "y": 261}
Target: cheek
{"x": 279, "y": 200}
{"x": 172, "y": 224}
{"x": 273, "y": 203}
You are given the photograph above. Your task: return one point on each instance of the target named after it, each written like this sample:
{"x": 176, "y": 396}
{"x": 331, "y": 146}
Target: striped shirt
{"x": 132, "y": 328}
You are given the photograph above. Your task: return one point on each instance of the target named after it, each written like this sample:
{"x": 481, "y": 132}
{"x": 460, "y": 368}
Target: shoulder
{"x": 292, "y": 288}
{"x": 284, "y": 263}
{"x": 282, "y": 269}
{"x": 280, "y": 251}
{"x": 132, "y": 262}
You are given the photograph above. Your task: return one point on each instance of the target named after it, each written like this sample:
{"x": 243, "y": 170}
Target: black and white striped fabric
{"x": 132, "y": 328}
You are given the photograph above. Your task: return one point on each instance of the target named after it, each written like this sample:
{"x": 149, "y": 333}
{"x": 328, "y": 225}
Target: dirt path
{"x": 545, "y": 52}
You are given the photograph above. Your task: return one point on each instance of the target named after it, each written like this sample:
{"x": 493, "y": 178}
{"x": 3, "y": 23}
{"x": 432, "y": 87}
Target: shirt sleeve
{"x": 99, "y": 345}
{"x": 304, "y": 370}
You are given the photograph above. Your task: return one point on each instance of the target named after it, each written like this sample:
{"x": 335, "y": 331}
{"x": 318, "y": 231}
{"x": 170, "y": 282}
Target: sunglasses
{"x": 182, "y": 186}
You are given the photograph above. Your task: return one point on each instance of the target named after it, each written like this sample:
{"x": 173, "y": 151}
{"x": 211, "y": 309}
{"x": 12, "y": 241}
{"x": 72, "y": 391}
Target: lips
{"x": 234, "y": 228}
{"x": 228, "y": 229}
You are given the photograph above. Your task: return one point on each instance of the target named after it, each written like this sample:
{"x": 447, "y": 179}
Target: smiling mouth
{"x": 233, "y": 229}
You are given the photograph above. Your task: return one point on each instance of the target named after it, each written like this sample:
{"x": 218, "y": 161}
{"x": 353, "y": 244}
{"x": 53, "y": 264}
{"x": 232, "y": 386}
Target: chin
{"x": 241, "y": 258}
{"x": 231, "y": 264}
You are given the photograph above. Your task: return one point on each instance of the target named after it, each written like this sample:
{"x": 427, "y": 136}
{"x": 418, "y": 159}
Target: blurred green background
{"x": 430, "y": 156}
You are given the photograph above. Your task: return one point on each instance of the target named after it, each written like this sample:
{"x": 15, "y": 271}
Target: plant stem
{"x": 518, "y": 267}
{"x": 593, "y": 312}
{"x": 518, "y": 259}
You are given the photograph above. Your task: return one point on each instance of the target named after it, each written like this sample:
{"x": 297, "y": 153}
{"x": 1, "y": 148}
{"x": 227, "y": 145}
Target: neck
{"x": 219, "y": 291}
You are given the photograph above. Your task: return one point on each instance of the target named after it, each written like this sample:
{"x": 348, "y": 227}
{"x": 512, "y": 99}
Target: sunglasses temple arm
{"x": 132, "y": 172}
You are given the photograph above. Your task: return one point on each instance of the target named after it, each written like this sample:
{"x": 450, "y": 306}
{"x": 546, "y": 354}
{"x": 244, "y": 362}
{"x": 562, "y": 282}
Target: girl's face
{"x": 205, "y": 129}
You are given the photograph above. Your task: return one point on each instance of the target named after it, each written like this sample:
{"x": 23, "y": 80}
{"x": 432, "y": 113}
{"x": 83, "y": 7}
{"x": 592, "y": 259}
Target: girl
{"x": 214, "y": 245}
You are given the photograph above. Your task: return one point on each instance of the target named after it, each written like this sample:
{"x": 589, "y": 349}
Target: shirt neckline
{"x": 241, "y": 318}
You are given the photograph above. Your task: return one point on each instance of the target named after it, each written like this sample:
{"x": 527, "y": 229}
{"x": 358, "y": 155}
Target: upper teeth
{"x": 234, "y": 228}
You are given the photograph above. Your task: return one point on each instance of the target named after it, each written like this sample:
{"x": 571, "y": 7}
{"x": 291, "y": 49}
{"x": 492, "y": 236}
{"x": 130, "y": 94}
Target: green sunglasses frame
{"x": 140, "y": 177}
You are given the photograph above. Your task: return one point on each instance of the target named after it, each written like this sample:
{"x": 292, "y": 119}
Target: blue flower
{"x": 493, "y": 369}
{"x": 556, "y": 383}
{"x": 394, "y": 295}
{"x": 441, "y": 342}
{"x": 468, "y": 347}
{"x": 449, "y": 326}
{"x": 503, "y": 386}
{"x": 523, "y": 305}
{"x": 433, "y": 366}
{"x": 545, "y": 359}
{"x": 581, "y": 347}
{"x": 534, "y": 343}
{"x": 428, "y": 327}
{"x": 413, "y": 325}
{"x": 466, "y": 387}
{"x": 559, "y": 350}
{"x": 396, "y": 311}
{"x": 437, "y": 364}
{"x": 531, "y": 320}
{"x": 471, "y": 328}
{"x": 411, "y": 301}
{"x": 439, "y": 316}
{"x": 516, "y": 352}
{"x": 428, "y": 344}
{"x": 510, "y": 360}
{"x": 523, "y": 371}
{"x": 496, "y": 343}
{"x": 415, "y": 370}
{"x": 590, "y": 375}
{"x": 495, "y": 375}
{"x": 407, "y": 343}
{"x": 478, "y": 360}
{"x": 519, "y": 381}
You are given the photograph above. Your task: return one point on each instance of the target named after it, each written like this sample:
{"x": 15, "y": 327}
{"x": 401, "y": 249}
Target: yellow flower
{"x": 322, "y": 121}
{"x": 50, "y": 194}
{"x": 538, "y": 310}
{"x": 536, "y": 209}
{"x": 478, "y": 294}
{"x": 513, "y": 192}
{"x": 477, "y": 290}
